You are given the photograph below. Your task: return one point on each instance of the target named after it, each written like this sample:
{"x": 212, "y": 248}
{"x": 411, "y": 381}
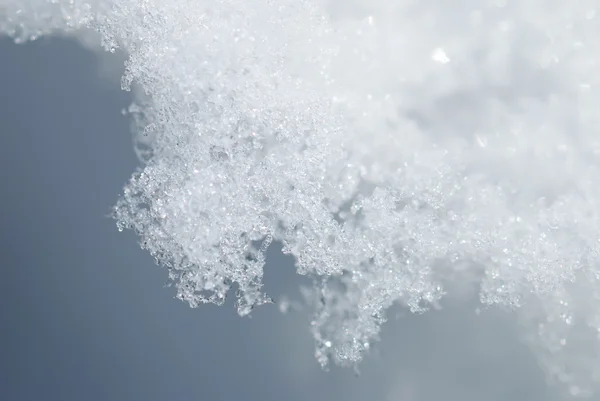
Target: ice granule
{"x": 396, "y": 148}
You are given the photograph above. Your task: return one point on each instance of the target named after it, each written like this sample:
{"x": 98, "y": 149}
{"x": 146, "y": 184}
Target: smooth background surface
{"x": 84, "y": 313}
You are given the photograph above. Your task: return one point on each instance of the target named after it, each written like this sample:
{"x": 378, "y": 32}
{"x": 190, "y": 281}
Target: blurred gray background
{"x": 85, "y": 314}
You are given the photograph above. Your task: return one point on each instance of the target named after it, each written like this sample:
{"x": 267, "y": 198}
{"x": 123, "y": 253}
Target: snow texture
{"x": 402, "y": 151}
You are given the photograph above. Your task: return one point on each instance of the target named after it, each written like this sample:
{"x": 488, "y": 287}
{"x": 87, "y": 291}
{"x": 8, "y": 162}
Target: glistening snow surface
{"x": 400, "y": 150}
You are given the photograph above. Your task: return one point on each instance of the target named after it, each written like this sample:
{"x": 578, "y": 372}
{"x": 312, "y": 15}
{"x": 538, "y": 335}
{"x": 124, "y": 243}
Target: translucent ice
{"x": 399, "y": 150}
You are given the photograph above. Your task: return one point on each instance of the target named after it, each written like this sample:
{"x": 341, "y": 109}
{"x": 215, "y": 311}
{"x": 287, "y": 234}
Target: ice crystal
{"x": 396, "y": 148}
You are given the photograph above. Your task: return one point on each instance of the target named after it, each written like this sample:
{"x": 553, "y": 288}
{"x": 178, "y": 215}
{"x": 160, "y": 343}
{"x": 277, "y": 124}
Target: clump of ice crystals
{"x": 395, "y": 148}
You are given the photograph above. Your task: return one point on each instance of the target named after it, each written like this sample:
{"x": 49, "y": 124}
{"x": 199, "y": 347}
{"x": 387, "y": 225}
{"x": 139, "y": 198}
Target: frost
{"x": 399, "y": 150}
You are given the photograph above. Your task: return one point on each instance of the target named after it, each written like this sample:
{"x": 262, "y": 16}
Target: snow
{"x": 400, "y": 150}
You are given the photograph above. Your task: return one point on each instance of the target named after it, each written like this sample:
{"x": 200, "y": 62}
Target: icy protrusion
{"x": 395, "y": 148}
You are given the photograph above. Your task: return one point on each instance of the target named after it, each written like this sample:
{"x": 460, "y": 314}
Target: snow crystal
{"x": 396, "y": 148}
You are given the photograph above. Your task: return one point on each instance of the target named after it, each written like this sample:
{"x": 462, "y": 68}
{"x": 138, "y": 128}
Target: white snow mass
{"x": 401, "y": 150}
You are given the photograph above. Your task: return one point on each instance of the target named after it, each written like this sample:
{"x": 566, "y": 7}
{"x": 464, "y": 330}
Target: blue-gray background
{"x": 85, "y": 314}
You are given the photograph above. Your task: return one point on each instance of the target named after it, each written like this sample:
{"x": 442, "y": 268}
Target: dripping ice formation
{"x": 402, "y": 151}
